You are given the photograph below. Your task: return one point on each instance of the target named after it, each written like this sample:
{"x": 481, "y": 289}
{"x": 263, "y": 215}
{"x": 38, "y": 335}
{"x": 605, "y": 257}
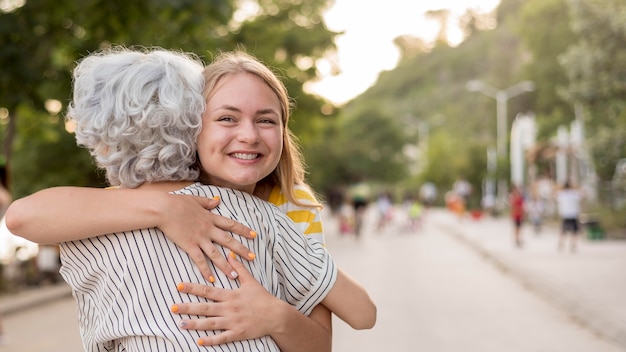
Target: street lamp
{"x": 501, "y": 96}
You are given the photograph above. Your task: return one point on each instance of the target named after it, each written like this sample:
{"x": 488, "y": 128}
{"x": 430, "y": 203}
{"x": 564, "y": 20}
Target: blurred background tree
{"x": 595, "y": 65}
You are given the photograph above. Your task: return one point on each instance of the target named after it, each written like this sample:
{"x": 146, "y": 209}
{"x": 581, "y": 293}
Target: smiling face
{"x": 242, "y": 132}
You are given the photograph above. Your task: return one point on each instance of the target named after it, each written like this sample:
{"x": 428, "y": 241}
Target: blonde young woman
{"x": 262, "y": 160}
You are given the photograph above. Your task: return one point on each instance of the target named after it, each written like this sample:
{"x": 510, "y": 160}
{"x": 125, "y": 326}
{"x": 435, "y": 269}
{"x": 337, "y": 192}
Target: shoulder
{"x": 301, "y": 192}
{"x": 237, "y": 202}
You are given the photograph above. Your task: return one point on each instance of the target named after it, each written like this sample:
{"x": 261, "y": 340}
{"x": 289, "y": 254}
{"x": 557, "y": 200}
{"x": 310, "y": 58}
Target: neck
{"x": 263, "y": 190}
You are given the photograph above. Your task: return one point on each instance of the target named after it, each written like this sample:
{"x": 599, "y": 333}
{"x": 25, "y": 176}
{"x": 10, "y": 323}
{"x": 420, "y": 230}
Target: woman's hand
{"x": 186, "y": 221}
{"x": 245, "y": 313}
{"x": 250, "y": 312}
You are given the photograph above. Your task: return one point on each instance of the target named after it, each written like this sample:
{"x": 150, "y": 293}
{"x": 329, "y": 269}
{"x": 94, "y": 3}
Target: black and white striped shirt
{"x": 125, "y": 283}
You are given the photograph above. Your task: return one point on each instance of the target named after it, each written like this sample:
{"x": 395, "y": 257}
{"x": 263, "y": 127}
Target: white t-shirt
{"x": 568, "y": 201}
{"x": 125, "y": 283}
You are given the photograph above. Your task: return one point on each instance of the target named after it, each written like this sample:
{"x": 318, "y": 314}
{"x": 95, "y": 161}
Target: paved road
{"x": 433, "y": 292}
{"x": 46, "y": 328}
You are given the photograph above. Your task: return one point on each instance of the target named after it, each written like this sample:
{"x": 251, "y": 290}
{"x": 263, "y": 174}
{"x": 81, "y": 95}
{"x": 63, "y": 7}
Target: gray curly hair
{"x": 139, "y": 113}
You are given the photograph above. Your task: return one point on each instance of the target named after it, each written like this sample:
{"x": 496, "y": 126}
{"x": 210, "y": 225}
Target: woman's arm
{"x": 348, "y": 300}
{"x": 351, "y": 303}
{"x": 47, "y": 217}
{"x": 250, "y": 312}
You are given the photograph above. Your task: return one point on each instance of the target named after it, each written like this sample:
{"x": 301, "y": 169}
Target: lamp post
{"x": 501, "y": 96}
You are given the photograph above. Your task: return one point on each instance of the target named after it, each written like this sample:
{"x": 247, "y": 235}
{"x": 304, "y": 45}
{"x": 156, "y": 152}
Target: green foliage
{"x": 611, "y": 219}
{"x": 48, "y": 156}
{"x": 545, "y": 31}
{"x": 361, "y": 148}
{"x": 596, "y": 69}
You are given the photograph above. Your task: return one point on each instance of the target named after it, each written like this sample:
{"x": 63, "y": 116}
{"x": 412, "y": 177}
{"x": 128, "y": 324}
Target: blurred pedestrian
{"x": 568, "y": 200}
{"x": 48, "y": 263}
{"x": 5, "y": 201}
{"x": 346, "y": 217}
{"x": 463, "y": 189}
{"x": 385, "y": 208}
{"x": 455, "y": 203}
{"x": 428, "y": 194}
{"x": 516, "y": 203}
{"x": 415, "y": 211}
{"x": 535, "y": 209}
{"x": 360, "y": 196}
{"x": 488, "y": 203}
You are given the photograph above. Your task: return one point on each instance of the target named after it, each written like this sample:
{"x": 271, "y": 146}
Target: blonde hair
{"x": 290, "y": 170}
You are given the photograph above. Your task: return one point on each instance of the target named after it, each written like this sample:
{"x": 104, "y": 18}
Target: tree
{"x": 362, "y": 148}
{"x": 546, "y": 33}
{"x": 596, "y": 69}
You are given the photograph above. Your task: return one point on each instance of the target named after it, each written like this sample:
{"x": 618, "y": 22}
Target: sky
{"x": 367, "y": 46}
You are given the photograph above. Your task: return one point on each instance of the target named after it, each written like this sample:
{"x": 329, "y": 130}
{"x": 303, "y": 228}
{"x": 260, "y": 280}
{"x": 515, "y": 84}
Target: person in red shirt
{"x": 516, "y": 203}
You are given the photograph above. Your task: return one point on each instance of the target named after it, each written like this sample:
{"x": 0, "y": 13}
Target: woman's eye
{"x": 226, "y": 118}
{"x": 268, "y": 121}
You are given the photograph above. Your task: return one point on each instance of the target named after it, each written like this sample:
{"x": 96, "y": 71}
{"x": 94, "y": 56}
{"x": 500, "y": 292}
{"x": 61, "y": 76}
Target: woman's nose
{"x": 248, "y": 132}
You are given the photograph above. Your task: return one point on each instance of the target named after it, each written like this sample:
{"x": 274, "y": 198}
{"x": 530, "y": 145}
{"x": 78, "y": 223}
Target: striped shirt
{"x": 308, "y": 219}
{"x": 125, "y": 283}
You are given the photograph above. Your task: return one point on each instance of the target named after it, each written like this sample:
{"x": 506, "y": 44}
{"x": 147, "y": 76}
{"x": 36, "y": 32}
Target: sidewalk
{"x": 27, "y": 298}
{"x": 590, "y": 285}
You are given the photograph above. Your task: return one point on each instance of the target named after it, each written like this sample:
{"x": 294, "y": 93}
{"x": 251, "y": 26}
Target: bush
{"x": 611, "y": 219}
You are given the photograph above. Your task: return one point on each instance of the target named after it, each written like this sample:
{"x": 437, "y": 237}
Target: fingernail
{"x": 201, "y": 342}
{"x": 174, "y": 308}
{"x": 216, "y": 197}
{"x": 234, "y": 274}
{"x": 253, "y": 234}
{"x": 180, "y": 287}
{"x": 251, "y": 255}
{"x": 182, "y": 324}
{"x": 211, "y": 279}
{"x": 231, "y": 254}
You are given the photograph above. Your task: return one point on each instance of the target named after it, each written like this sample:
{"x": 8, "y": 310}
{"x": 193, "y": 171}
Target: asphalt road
{"x": 434, "y": 293}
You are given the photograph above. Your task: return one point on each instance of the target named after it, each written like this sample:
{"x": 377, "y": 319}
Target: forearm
{"x": 300, "y": 333}
{"x": 351, "y": 303}
{"x": 70, "y": 213}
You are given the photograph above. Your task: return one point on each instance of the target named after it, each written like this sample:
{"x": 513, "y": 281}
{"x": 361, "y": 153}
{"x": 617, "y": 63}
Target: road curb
{"x": 33, "y": 297}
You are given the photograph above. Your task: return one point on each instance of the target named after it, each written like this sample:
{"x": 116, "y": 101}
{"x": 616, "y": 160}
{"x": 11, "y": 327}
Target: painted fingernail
{"x": 234, "y": 274}
{"x": 253, "y": 233}
{"x": 211, "y": 279}
{"x": 201, "y": 342}
{"x": 182, "y": 324}
{"x": 251, "y": 255}
{"x": 174, "y": 308}
{"x": 216, "y": 197}
{"x": 231, "y": 254}
{"x": 180, "y": 287}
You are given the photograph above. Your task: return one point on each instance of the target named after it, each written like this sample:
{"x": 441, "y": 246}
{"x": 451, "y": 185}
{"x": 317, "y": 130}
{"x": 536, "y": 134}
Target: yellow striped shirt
{"x": 308, "y": 219}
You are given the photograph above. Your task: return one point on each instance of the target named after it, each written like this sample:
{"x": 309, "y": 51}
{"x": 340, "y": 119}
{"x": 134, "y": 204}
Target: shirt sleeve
{"x": 305, "y": 267}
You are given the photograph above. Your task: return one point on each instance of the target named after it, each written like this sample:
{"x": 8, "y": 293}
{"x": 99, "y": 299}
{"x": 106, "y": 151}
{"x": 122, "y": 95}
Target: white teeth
{"x": 245, "y": 156}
